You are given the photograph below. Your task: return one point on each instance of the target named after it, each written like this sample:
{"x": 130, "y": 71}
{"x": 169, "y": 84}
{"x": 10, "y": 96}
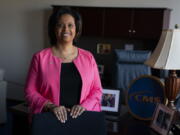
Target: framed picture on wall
{"x": 163, "y": 119}
{"x": 110, "y": 100}
{"x": 103, "y": 48}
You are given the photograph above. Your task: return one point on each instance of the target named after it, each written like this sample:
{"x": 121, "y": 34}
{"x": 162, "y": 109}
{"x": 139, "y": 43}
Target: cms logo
{"x": 144, "y": 96}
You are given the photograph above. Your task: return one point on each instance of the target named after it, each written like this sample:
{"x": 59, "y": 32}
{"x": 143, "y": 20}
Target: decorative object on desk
{"x": 110, "y": 100}
{"x": 162, "y": 119}
{"x": 143, "y": 95}
{"x": 101, "y": 69}
{"x": 103, "y": 48}
{"x": 165, "y": 56}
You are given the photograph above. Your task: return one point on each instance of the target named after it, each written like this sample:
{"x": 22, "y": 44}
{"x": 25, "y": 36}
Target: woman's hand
{"x": 61, "y": 113}
{"x": 76, "y": 111}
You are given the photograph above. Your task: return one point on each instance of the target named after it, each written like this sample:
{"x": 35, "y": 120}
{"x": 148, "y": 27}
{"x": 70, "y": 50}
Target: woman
{"x": 63, "y": 78}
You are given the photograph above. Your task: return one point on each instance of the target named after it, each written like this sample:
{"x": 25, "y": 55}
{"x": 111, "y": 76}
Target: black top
{"x": 70, "y": 85}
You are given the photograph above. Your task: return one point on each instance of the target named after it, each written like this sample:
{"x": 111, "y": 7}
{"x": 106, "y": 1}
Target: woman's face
{"x": 65, "y": 29}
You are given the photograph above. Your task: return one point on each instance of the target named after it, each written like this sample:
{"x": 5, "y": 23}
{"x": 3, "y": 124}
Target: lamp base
{"x": 172, "y": 88}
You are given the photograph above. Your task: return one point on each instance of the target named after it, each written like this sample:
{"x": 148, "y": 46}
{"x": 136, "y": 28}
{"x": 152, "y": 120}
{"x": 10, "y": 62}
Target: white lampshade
{"x": 167, "y": 53}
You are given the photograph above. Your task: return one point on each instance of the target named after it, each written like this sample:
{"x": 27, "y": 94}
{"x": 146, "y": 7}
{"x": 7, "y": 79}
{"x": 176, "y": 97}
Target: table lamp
{"x": 166, "y": 56}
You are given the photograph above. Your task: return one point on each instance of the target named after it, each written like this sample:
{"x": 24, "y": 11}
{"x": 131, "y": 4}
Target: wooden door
{"x": 147, "y": 23}
{"x": 117, "y": 22}
{"x": 92, "y": 18}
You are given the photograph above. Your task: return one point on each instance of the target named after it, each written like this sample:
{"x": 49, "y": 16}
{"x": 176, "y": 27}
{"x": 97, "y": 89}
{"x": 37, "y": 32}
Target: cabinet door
{"x": 147, "y": 23}
{"x": 117, "y": 22}
{"x": 92, "y": 21}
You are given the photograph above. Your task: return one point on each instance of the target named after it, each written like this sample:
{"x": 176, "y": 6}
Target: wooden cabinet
{"x": 137, "y": 23}
{"x": 117, "y": 22}
{"x": 92, "y": 21}
{"x": 130, "y": 23}
{"x": 148, "y": 23}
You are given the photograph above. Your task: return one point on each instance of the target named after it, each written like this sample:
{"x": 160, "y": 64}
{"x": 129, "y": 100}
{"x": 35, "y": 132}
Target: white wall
{"x": 23, "y": 30}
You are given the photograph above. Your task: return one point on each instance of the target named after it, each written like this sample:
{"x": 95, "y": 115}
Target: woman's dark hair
{"x": 54, "y": 18}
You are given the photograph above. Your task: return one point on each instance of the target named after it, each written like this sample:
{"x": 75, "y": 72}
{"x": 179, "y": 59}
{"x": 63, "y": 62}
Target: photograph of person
{"x": 108, "y": 100}
{"x": 63, "y": 78}
{"x": 163, "y": 119}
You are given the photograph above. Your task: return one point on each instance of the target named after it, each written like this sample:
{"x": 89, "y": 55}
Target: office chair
{"x": 128, "y": 65}
{"x": 89, "y": 123}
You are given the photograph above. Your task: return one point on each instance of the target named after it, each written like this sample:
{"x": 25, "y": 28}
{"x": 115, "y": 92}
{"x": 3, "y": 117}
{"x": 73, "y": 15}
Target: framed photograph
{"x": 110, "y": 100}
{"x": 163, "y": 119}
{"x": 101, "y": 69}
{"x": 103, "y": 48}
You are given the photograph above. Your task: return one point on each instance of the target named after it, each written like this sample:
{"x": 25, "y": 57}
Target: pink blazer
{"x": 43, "y": 80}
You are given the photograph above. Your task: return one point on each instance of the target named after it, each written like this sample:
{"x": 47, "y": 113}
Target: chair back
{"x": 128, "y": 66}
{"x": 89, "y": 123}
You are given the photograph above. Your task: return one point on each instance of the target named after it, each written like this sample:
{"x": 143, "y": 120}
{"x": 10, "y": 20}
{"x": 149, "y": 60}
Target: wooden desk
{"x": 20, "y": 109}
{"x": 127, "y": 125}
{"x": 124, "y": 125}
{"x": 20, "y": 119}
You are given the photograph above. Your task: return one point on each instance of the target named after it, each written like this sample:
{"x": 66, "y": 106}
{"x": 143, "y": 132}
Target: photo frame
{"x": 101, "y": 69}
{"x": 103, "y": 48}
{"x": 162, "y": 119}
{"x": 110, "y": 100}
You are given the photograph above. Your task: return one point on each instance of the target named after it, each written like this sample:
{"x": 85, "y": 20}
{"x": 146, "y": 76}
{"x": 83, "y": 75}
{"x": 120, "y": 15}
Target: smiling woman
{"x": 66, "y": 29}
{"x": 63, "y": 79}
{"x": 55, "y": 22}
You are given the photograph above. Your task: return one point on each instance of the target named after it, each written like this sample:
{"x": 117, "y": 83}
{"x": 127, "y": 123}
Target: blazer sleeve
{"x": 93, "y": 100}
{"x": 34, "y": 99}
